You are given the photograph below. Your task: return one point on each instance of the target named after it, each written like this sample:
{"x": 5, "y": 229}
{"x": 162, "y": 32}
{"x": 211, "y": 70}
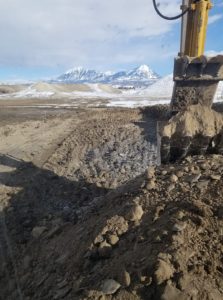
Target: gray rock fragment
{"x": 110, "y": 287}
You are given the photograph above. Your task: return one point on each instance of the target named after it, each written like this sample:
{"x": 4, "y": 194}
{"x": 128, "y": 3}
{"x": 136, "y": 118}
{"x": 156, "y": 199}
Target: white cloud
{"x": 213, "y": 53}
{"x": 70, "y": 32}
{"x": 214, "y": 18}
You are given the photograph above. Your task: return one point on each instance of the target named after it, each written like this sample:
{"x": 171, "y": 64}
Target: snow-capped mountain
{"x": 142, "y": 75}
{"x": 82, "y": 75}
{"x": 143, "y": 72}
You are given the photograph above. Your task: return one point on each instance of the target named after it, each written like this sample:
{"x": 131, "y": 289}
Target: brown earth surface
{"x": 85, "y": 213}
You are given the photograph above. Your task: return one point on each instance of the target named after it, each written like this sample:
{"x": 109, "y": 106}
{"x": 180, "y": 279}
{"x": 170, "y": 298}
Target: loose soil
{"x": 86, "y": 213}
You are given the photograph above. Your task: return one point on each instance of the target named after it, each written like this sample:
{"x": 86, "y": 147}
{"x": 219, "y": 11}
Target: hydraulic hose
{"x": 168, "y": 18}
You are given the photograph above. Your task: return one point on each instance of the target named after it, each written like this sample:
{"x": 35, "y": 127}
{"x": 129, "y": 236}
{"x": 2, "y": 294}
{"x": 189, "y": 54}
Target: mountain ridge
{"x": 142, "y": 75}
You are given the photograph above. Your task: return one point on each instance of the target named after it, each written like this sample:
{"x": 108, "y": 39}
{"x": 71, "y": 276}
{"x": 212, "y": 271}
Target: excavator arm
{"x": 194, "y": 27}
{"x": 196, "y": 78}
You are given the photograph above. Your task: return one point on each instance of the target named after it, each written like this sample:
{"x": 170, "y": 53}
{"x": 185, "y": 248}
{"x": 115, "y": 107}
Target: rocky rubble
{"x": 159, "y": 236}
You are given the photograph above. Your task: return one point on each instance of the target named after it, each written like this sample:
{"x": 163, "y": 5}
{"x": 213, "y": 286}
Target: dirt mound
{"x": 58, "y": 90}
{"x": 65, "y": 88}
{"x": 109, "y": 89}
{"x": 157, "y": 237}
{"x": 43, "y": 87}
{"x": 9, "y": 89}
{"x": 197, "y": 119}
{"x": 69, "y": 88}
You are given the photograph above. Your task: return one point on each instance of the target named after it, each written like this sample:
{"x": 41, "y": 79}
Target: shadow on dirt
{"x": 42, "y": 192}
{"x": 55, "y": 260}
{"x": 42, "y": 205}
{"x": 36, "y": 198}
{"x": 150, "y": 116}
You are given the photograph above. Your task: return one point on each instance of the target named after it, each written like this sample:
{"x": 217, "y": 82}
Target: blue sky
{"x": 42, "y": 39}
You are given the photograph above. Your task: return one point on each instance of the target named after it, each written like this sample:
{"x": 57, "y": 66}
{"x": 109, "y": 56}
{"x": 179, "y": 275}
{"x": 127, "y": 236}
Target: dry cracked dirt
{"x": 87, "y": 213}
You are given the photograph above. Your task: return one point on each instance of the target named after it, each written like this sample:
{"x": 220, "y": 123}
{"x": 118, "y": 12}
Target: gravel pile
{"x": 125, "y": 156}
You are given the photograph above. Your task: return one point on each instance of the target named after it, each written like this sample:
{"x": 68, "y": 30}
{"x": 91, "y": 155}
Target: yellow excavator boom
{"x": 196, "y": 27}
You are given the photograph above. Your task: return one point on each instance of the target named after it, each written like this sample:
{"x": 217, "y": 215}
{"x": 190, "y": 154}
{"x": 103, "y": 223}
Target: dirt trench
{"x": 87, "y": 215}
{"x": 54, "y": 167}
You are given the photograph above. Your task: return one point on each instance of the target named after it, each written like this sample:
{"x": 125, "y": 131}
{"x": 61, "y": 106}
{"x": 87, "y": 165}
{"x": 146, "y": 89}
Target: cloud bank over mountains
{"x": 92, "y": 33}
{"x": 87, "y": 32}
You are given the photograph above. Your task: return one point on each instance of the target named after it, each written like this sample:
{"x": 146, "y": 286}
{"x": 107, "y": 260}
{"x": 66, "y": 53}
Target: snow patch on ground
{"x": 162, "y": 89}
{"x": 100, "y": 94}
{"x": 33, "y": 93}
{"x": 137, "y": 102}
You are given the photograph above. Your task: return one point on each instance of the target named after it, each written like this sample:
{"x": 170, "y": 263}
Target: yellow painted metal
{"x": 197, "y": 27}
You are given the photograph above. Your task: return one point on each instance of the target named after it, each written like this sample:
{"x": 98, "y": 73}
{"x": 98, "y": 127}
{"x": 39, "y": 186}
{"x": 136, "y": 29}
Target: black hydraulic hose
{"x": 168, "y": 18}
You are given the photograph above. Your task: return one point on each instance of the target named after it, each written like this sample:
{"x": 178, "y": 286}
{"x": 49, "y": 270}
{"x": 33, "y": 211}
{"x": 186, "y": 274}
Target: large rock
{"x": 38, "y": 231}
{"x": 135, "y": 213}
{"x": 124, "y": 278}
{"x": 172, "y": 293}
{"x": 164, "y": 271}
{"x": 110, "y": 287}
